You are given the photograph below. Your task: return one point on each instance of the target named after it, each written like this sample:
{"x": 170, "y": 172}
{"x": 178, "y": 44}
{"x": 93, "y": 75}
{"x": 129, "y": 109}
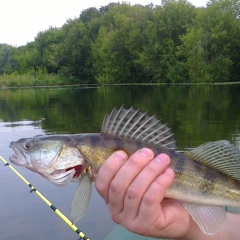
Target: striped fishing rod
{"x": 56, "y": 210}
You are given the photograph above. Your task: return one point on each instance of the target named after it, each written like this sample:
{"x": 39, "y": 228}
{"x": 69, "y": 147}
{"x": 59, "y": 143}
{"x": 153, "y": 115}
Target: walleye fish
{"x": 207, "y": 178}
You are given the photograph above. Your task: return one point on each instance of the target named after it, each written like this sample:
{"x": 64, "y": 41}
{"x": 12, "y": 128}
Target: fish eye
{"x": 28, "y": 144}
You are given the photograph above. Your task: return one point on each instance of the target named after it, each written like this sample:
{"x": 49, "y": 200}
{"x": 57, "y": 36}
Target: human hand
{"x": 134, "y": 191}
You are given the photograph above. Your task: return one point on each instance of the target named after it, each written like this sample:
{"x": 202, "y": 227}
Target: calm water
{"x": 195, "y": 114}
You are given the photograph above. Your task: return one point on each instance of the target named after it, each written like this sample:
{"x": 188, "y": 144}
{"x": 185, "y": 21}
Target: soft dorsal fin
{"x": 135, "y": 125}
{"x": 220, "y": 155}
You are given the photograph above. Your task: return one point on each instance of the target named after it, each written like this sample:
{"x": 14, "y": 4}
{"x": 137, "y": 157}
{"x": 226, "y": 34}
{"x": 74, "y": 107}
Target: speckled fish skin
{"x": 194, "y": 182}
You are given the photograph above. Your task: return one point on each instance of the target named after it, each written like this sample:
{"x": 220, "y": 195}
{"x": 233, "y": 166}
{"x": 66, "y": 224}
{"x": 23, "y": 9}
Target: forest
{"x": 174, "y": 42}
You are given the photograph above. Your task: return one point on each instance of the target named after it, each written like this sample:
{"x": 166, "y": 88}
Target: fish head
{"x": 33, "y": 153}
{"x": 54, "y": 158}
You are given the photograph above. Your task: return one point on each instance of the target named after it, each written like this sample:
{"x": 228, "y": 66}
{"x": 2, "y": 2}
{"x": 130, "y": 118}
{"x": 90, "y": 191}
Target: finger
{"x": 107, "y": 172}
{"x": 142, "y": 183}
{"x": 151, "y": 201}
{"x": 124, "y": 177}
{"x": 150, "y": 215}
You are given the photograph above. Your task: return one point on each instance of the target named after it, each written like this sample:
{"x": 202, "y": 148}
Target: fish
{"x": 207, "y": 178}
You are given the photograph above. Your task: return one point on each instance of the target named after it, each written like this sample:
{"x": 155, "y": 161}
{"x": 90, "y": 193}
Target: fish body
{"x": 194, "y": 181}
{"x": 206, "y": 178}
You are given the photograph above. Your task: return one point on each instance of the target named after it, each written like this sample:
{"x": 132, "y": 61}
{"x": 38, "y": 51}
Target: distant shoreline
{"x": 115, "y": 84}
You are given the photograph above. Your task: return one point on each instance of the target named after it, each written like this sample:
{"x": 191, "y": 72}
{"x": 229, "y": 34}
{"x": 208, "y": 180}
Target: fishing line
{"x": 56, "y": 210}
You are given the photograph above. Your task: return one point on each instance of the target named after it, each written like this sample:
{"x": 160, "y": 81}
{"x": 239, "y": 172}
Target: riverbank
{"x": 43, "y": 80}
{"x": 34, "y": 79}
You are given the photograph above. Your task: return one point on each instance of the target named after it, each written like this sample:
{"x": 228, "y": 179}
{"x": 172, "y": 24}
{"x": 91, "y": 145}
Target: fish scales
{"x": 211, "y": 186}
{"x": 193, "y": 179}
{"x": 96, "y": 148}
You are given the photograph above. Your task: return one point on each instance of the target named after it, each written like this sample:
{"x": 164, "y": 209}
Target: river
{"x": 195, "y": 113}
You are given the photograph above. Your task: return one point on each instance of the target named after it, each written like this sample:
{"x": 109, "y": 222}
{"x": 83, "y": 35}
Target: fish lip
{"x": 18, "y": 158}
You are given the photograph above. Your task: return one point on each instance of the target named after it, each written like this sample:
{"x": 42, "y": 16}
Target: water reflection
{"x": 196, "y": 114}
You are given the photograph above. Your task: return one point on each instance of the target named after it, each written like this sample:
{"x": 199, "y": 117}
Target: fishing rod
{"x": 56, "y": 210}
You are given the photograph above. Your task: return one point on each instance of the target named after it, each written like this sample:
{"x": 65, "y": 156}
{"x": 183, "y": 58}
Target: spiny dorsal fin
{"x": 220, "y": 155}
{"x": 135, "y": 125}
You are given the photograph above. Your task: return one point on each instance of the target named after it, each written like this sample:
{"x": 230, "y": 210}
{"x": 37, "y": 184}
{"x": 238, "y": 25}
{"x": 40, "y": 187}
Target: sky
{"x": 22, "y": 20}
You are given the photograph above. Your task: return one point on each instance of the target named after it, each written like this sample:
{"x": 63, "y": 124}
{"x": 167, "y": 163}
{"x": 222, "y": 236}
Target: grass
{"x": 31, "y": 79}
{"x": 41, "y": 78}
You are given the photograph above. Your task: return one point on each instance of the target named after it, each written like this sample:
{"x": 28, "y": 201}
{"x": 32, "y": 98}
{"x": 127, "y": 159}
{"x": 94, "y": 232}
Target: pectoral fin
{"x": 81, "y": 198}
{"x": 209, "y": 218}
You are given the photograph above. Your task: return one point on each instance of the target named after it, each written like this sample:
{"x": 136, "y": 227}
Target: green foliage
{"x": 75, "y": 52}
{"x": 120, "y": 40}
{"x": 174, "y": 42}
{"x": 8, "y": 63}
{"x": 160, "y": 55}
{"x": 32, "y": 77}
{"x": 210, "y": 45}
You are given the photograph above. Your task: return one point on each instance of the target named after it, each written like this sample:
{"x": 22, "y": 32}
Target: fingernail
{"x": 162, "y": 158}
{"x": 120, "y": 155}
{"x": 146, "y": 152}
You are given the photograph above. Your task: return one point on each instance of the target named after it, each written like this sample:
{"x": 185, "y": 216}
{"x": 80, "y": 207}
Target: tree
{"x": 210, "y": 45}
{"x": 46, "y": 44}
{"x": 117, "y": 47}
{"x": 89, "y": 14}
{"x": 75, "y": 52}
{"x": 121, "y": 43}
{"x": 160, "y": 55}
{"x": 8, "y": 63}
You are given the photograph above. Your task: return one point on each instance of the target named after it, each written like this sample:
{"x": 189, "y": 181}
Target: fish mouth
{"x": 18, "y": 158}
{"x": 59, "y": 177}
{"x": 65, "y": 166}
